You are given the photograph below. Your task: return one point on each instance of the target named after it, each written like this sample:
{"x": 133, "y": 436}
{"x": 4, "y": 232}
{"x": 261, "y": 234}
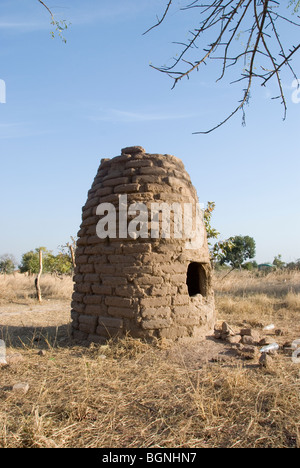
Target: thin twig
{"x": 161, "y": 20}
{"x": 47, "y": 8}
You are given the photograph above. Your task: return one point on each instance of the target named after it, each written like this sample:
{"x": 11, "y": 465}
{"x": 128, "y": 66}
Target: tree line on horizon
{"x": 236, "y": 253}
{"x": 60, "y": 264}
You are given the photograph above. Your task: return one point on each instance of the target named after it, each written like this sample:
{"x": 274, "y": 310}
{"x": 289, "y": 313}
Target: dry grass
{"x": 134, "y": 398}
{"x": 259, "y": 299}
{"x": 131, "y": 394}
{"x": 19, "y": 287}
{"x": 243, "y": 283}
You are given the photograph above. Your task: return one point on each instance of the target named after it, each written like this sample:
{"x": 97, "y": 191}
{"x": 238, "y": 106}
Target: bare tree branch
{"x": 159, "y": 21}
{"x": 47, "y": 8}
{"x": 226, "y": 20}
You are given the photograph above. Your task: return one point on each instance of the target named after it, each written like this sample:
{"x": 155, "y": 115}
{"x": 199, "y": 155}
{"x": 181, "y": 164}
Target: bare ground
{"x": 48, "y": 323}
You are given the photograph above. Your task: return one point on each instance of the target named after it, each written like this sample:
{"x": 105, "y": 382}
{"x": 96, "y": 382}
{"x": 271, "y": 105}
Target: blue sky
{"x": 69, "y": 105}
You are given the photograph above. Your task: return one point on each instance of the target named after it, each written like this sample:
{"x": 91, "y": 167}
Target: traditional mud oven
{"x": 142, "y": 261}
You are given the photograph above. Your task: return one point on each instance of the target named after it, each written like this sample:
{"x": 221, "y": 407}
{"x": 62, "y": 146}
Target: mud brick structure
{"x": 145, "y": 280}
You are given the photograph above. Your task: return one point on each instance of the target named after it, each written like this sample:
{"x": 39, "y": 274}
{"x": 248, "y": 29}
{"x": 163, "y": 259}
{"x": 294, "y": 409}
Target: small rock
{"x": 256, "y": 336}
{"x": 248, "y": 352}
{"x": 239, "y": 346}
{"x": 14, "y": 358}
{"x": 227, "y": 330}
{"x": 233, "y": 339}
{"x": 248, "y": 340}
{"x": 266, "y": 341}
{"x": 250, "y": 349}
{"x": 279, "y": 332}
{"x": 42, "y": 352}
{"x": 265, "y": 360}
{"x": 246, "y": 331}
{"x": 133, "y": 150}
{"x": 21, "y": 388}
{"x": 221, "y": 358}
{"x": 251, "y": 332}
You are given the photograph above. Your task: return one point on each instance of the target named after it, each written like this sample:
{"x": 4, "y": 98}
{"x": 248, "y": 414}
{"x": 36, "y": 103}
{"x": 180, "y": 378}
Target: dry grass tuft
{"x": 293, "y": 301}
{"x": 19, "y": 287}
{"x": 244, "y": 282}
{"x": 259, "y": 299}
{"x": 78, "y": 398}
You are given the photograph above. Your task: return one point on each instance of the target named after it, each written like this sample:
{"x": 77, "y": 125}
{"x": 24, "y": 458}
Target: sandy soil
{"x": 22, "y": 324}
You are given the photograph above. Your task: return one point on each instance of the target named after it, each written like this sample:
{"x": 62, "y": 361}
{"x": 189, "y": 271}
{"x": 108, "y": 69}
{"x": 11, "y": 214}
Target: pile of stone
{"x": 248, "y": 342}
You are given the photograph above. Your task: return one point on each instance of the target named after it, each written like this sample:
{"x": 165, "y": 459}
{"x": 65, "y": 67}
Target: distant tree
{"x": 294, "y": 265}
{"x": 30, "y": 261}
{"x": 297, "y": 264}
{"x": 278, "y": 261}
{"x": 69, "y": 250}
{"x": 7, "y": 264}
{"x": 250, "y": 266}
{"x": 243, "y": 248}
{"x": 59, "y": 264}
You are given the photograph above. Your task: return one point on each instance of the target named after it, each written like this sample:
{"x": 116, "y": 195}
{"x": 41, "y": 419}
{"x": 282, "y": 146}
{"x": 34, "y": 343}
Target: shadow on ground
{"x": 40, "y": 337}
{"x": 192, "y": 354}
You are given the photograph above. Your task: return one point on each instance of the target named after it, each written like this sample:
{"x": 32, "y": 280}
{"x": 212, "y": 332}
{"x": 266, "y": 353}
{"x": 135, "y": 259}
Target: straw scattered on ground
{"x": 132, "y": 394}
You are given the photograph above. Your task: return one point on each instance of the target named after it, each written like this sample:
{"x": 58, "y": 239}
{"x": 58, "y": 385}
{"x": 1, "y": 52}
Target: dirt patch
{"x": 24, "y": 323}
{"x": 194, "y": 354}
{"x": 41, "y": 314}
